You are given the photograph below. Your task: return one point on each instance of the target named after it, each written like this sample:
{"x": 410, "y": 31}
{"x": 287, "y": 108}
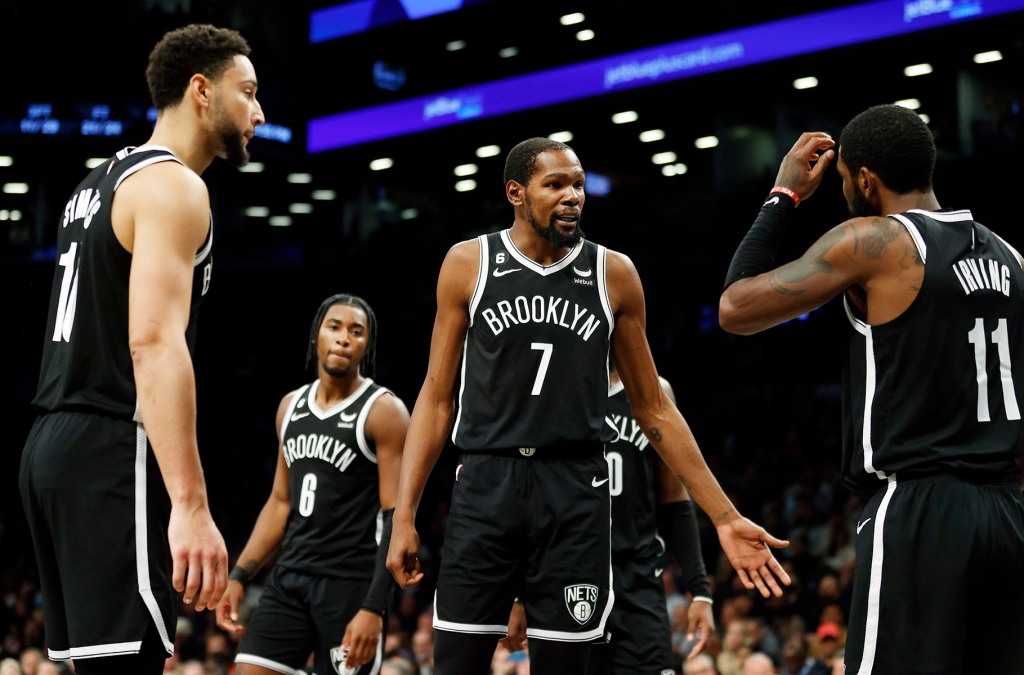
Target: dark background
{"x": 764, "y": 408}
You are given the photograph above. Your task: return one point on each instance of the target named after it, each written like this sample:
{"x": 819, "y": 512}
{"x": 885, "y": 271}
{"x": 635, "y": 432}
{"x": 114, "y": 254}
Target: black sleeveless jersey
{"x": 633, "y": 473}
{"x": 937, "y": 390}
{"x": 535, "y": 360}
{"x": 86, "y": 363}
{"x": 335, "y": 521}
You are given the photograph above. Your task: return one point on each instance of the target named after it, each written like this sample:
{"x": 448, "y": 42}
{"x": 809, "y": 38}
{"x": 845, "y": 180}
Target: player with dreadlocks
{"x": 340, "y": 442}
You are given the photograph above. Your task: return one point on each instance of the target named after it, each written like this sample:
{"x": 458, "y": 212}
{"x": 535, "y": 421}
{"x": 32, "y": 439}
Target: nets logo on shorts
{"x": 581, "y": 599}
{"x": 338, "y": 656}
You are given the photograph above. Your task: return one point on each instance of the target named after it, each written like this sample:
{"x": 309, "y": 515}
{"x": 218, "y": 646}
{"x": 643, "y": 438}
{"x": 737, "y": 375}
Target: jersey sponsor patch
{"x": 581, "y": 599}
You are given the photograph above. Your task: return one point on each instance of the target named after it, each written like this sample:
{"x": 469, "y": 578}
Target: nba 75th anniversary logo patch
{"x": 581, "y": 599}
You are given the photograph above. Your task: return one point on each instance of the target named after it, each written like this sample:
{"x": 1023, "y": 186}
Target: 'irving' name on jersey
{"x": 976, "y": 274}
{"x": 540, "y": 309}
{"x": 318, "y": 446}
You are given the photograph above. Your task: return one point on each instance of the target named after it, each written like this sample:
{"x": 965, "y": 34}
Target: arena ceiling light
{"x": 585, "y": 35}
{"x": 455, "y": 45}
{"x": 381, "y": 163}
{"x": 651, "y": 135}
{"x": 15, "y": 188}
{"x": 677, "y": 169}
{"x": 805, "y": 83}
{"x": 664, "y": 158}
{"x": 280, "y": 221}
{"x": 988, "y": 57}
{"x": 324, "y": 195}
{"x": 572, "y": 19}
{"x": 300, "y": 178}
{"x": 94, "y": 162}
{"x": 705, "y": 142}
{"x": 909, "y": 103}
{"x": 252, "y": 167}
{"x": 508, "y": 52}
{"x": 6, "y": 160}
{"x": 625, "y": 117}
{"x": 300, "y": 207}
{"x": 918, "y": 69}
{"x": 257, "y": 212}
{"x": 465, "y": 185}
{"x": 466, "y": 169}
{"x": 488, "y": 151}
{"x": 561, "y": 136}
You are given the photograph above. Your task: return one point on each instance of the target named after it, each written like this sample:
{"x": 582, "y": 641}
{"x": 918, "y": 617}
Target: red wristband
{"x": 789, "y": 193}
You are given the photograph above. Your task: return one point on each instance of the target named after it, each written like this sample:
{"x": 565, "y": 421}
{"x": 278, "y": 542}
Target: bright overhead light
{"x": 561, "y": 136}
{"x": 651, "y": 135}
{"x": 677, "y": 169}
{"x": 299, "y": 207}
{"x": 487, "y": 151}
{"x": 324, "y": 195}
{"x": 805, "y": 83}
{"x": 300, "y": 178}
{"x": 625, "y": 117}
{"x": 455, "y": 45}
{"x": 508, "y": 52}
{"x": 257, "y": 212}
{"x": 5, "y": 160}
{"x": 705, "y": 142}
{"x": 15, "y": 188}
{"x": 918, "y": 69}
{"x": 572, "y": 19}
{"x": 924, "y": 118}
{"x": 465, "y": 185}
{"x": 94, "y": 162}
{"x": 408, "y": 214}
{"x": 465, "y": 169}
{"x": 252, "y": 167}
{"x": 664, "y": 158}
{"x": 585, "y": 35}
{"x": 280, "y": 221}
{"x": 988, "y": 57}
{"x": 15, "y": 214}
{"x": 381, "y": 164}
{"x": 909, "y": 103}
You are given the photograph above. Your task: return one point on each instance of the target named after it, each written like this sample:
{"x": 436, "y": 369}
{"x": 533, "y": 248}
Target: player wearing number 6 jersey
{"x": 932, "y": 394}
{"x": 328, "y": 517}
{"x": 518, "y": 373}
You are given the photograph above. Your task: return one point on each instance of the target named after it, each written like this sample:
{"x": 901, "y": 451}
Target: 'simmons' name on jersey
{"x": 976, "y": 274}
{"x": 318, "y": 446}
{"x": 83, "y": 205}
{"x": 539, "y": 309}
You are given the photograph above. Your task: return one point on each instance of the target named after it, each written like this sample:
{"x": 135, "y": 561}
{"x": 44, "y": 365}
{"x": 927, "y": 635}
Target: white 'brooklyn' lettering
{"x": 538, "y": 309}
{"x": 630, "y": 431}
{"x": 318, "y": 446}
{"x": 978, "y": 274}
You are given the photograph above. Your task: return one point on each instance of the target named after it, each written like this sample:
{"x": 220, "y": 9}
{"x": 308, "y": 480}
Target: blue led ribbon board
{"x": 654, "y": 65}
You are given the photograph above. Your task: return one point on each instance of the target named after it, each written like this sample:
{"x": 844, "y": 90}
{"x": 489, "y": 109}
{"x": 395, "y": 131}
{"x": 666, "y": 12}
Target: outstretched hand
{"x": 804, "y": 165}
{"x": 749, "y": 549}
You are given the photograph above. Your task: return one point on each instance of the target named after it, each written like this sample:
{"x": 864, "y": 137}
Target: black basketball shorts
{"x": 938, "y": 582}
{"x": 98, "y": 511}
{"x": 534, "y": 525}
{"x": 299, "y": 614}
{"x": 639, "y": 636}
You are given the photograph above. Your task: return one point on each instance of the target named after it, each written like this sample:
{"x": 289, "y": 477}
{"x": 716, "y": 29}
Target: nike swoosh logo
{"x": 860, "y": 526}
{"x": 658, "y": 571}
{"x": 582, "y": 273}
{"x": 299, "y": 416}
{"x": 348, "y": 418}
{"x": 501, "y": 273}
{"x": 773, "y": 200}
{"x": 598, "y": 483}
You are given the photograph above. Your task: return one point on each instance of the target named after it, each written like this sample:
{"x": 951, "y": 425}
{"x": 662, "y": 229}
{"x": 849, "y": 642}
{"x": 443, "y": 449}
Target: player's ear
{"x": 514, "y": 192}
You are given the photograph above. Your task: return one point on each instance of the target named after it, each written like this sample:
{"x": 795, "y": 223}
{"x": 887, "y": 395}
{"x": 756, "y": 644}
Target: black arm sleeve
{"x": 677, "y": 523}
{"x": 382, "y": 588}
{"x": 756, "y": 253}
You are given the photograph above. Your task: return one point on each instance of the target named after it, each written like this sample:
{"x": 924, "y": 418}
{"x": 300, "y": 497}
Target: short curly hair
{"x": 522, "y": 159}
{"x": 892, "y": 141}
{"x": 183, "y": 52}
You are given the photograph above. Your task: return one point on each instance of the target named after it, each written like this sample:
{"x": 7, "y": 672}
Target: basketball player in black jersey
{"x": 932, "y": 388}
{"x": 117, "y": 431}
{"x": 520, "y": 349}
{"x": 328, "y": 517}
{"x": 651, "y": 514}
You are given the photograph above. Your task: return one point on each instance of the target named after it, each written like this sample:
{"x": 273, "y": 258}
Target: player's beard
{"x": 232, "y": 141}
{"x": 554, "y": 236}
{"x": 861, "y": 207}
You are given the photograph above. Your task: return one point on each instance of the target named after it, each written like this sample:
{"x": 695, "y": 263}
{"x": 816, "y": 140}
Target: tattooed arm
{"x": 858, "y": 255}
{"x": 747, "y": 545}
